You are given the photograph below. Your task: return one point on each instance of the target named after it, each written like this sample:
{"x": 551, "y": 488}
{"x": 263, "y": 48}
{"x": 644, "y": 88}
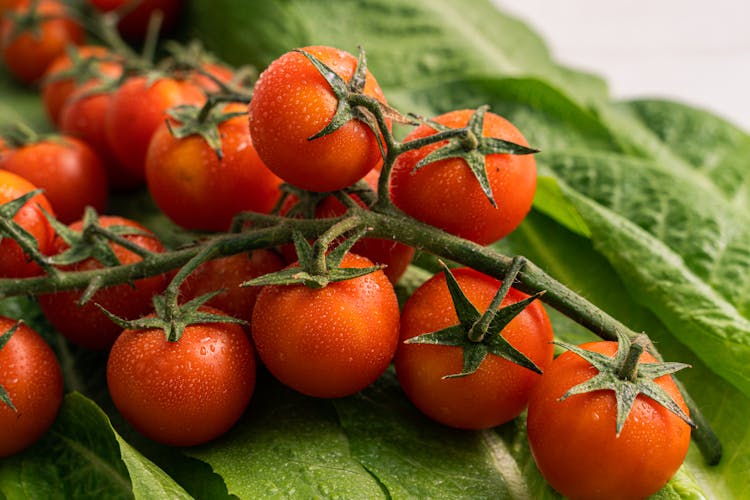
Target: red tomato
{"x": 394, "y": 255}
{"x": 84, "y": 116}
{"x": 56, "y": 91}
{"x": 572, "y": 437}
{"x": 197, "y": 189}
{"x": 86, "y": 325}
{"x": 228, "y": 273}
{"x": 26, "y": 55}
{"x": 186, "y": 392}
{"x": 499, "y": 390}
{"x": 31, "y": 375}
{"x": 328, "y": 342}
{"x": 137, "y": 109}
{"x": 446, "y": 194}
{"x": 6, "y": 5}
{"x": 134, "y": 24}
{"x": 292, "y": 102}
{"x": 68, "y": 170}
{"x": 14, "y": 263}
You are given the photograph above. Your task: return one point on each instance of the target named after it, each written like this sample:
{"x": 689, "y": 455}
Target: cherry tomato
{"x": 31, "y": 375}
{"x": 134, "y": 23}
{"x": 56, "y": 90}
{"x": 197, "y": 189}
{"x": 499, "y": 390}
{"x": 186, "y": 392}
{"x": 446, "y": 194}
{"x": 228, "y": 273}
{"x": 14, "y": 263}
{"x": 84, "y": 116}
{"x": 292, "y": 102}
{"x": 573, "y": 437}
{"x": 28, "y": 55}
{"x": 68, "y": 170}
{"x": 394, "y": 255}
{"x": 86, "y": 325}
{"x": 6, "y": 5}
{"x": 137, "y": 109}
{"x": 328, "y": 342}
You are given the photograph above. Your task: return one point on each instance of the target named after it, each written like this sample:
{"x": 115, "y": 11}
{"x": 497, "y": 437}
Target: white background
{"x": 696, "y": 52}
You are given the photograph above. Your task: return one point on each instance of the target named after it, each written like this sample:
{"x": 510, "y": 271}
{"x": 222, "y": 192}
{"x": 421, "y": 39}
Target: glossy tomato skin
{"x": 394, "y": 255}
{"x": 228, "y": 273}
{"x": 14, "y": 263}
{"x": 499, "y": 390}
{"x": 329, "y": 342}
{"x": 573, "y": 437}
{"x": 292, "y": 102}
{"x": 134, "y": 24}
{"x": 446, "y": 194}
{"x": 84, "y": 116}
{"x": 27, "y": 56}
{"x": 69, "y": 171}
{"x": 87, "y": 326}
{"x": 136, "y": 111}
{"x": 30, "y": 373}
{"x": 55, "y": 91}
{"x": 197, "y": 189}
{"x": 187, "y": 392}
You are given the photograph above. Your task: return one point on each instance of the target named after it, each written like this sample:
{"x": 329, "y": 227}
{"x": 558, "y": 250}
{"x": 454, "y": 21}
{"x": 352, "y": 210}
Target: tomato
{"x": 499, "y": 390}
{"x": 55, "y": 90}
{"x": 573, "y": 437}
{"x": 84, "y": 116}
{"x": 68, "y": 170}
{"x": 6, "y": 5}
{"x": 86, "y": 325}
{"x": 30, "y": 373}
{"x": 394, "y": 255}
{"x": 14, "y": 263}
{"x": 137, "y": 109}
{"x": 446, "y": 194}
{"x": 197, "y": 189}
{"x": 228, "y": 273}
{"x": 292, "y": 102}
{"x": 328, "y": 342}
{"x": 28, "y": 55}
{"x": 186, "y": 392}
{"x": 134, "y": 24}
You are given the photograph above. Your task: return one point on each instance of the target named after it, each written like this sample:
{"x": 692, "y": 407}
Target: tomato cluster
{"x": 313, "y": 145}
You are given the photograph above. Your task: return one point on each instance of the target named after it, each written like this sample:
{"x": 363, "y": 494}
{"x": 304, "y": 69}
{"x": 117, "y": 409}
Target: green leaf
{"x": 288, "y": 445}
{"x": 416, "y": 458}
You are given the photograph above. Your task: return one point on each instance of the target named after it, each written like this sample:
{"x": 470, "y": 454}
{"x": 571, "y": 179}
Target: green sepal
{"x": 473, "y": 147}
{"x": 318, "y": 267}
{"x": 11, "y": 229}
{"x": 342, "y": 90}
{"x": 172, "y": 319}
{"x": 192, "y": 121}
{"x": 93, "y": 241}
{"x": 82, "y": 69}
{"x": 4, "y": 339}
{"x": 490, "y": 341}
{"x": 626, "y": 389}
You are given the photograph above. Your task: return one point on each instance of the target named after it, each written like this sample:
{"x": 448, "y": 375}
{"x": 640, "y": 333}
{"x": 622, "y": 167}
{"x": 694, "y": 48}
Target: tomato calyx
{"x": 202, "y": 121}
{"x": 93, "y": 241}
{"x": 347, "y": 93}
{"x": 29, "y": 21}
{"x": 4, "y": 339}
{"x": 627, "y": 377}
{"x": 472, "y": 147}
{"x": 318, "y": 267}
{"x": 480, "y": 334}
{"x": 173, "y": 317}
{"x": 11, "y": 229}
{"x": 82, "y": 68}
